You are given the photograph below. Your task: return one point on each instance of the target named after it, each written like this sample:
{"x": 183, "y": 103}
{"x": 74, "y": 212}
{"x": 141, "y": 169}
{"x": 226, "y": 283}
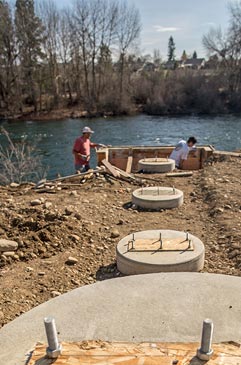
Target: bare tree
{"x": 8, "y": 54}
{"x": 128, "y": 30}
{"x": 49, "y": 14}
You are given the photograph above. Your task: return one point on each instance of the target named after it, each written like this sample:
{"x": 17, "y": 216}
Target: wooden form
{"x": 104, "y": 353}
{"x": 121, "y": 157}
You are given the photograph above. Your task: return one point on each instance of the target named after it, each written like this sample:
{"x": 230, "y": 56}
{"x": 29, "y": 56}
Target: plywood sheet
{"x": 168, "y": 244}
{"x": 104, "y": 353}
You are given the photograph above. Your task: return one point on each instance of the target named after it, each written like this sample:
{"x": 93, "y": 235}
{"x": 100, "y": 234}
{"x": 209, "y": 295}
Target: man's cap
{"x": 87, "y": 130}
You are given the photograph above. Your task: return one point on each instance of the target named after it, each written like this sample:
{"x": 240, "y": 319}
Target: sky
{"x": 186, "y": 20}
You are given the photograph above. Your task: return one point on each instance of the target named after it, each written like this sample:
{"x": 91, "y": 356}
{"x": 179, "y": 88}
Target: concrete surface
{"x": 153, "y": 165}
{"x": 133, "y": 263}
{"x": 157, "y": 197}
{"x": 155, "y": 307}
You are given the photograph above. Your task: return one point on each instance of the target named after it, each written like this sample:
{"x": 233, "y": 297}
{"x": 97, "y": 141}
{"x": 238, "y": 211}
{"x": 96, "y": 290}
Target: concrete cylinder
{"x": 156, "y": 165}
{"x": 156, "y": 198}
{"x": 132, "y": 262}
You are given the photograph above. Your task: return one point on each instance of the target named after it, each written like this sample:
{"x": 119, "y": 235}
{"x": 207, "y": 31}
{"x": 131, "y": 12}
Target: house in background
{"x": 194, "y": 63}
{"x": 171, "y": 65}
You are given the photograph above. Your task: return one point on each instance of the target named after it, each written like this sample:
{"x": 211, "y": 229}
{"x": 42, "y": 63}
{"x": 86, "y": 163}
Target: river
{"x": 55, "y": 138}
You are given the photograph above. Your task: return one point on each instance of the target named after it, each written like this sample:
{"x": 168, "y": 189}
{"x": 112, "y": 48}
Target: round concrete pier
{"x": 153, "y": 165}
{"x": 159, "y": 251}
{"x": 156, "y": 307}
{"x": 156, "y": 198}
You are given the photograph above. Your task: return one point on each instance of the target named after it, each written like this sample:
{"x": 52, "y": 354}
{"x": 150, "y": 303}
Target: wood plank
{"x": 98, "y": 352}
{"x": 179, "y": 174}
{"x": 124, "y": 174}
{"x": 227, "y": 153}
{"x": 129, "y": 164}
{"x": 110, "y": 168}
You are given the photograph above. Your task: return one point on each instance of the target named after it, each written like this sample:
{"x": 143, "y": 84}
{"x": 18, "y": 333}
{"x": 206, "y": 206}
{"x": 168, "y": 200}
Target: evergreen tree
{"x": 194, "y": 55}
{"x": 171, "y": 49}
{"x": 29, "y": 33}
{"x": 184, "y": 56}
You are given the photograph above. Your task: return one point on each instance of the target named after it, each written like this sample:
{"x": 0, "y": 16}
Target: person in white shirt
{"x": 181, "y": 151}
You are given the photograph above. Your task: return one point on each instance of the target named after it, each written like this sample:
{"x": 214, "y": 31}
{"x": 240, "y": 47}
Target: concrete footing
{"x": 156, "y": 165}
{"x": 131, "y": 261}
{"x": 156, "y": 198}
{"x": 156, "y": 307}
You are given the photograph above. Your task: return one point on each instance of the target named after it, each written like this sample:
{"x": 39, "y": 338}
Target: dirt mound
{"x": 68, "y": 239}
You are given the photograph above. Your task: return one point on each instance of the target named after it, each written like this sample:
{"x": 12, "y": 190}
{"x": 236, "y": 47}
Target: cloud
{"x": 160, "y": 28}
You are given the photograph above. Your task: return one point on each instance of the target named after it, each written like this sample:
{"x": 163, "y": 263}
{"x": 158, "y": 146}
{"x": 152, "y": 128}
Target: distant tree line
{"x": 48, "y": 55}
{"x": 83, "y": 56}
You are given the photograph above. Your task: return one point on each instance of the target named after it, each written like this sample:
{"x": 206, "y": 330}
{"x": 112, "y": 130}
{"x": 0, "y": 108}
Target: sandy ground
{"x": 86, "y": 222}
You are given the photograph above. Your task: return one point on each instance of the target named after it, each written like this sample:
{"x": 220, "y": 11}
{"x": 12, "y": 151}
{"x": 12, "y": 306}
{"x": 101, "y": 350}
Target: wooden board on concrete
{"x": 168, "y": 244}
{"x": 105, "y": 353}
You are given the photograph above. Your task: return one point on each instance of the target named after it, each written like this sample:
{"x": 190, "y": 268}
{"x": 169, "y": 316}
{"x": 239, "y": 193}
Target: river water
{"x": 55, "y": 138}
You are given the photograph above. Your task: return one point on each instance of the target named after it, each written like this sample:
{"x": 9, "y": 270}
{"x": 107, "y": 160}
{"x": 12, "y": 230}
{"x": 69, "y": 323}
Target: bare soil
{"x": 87, "y": 220}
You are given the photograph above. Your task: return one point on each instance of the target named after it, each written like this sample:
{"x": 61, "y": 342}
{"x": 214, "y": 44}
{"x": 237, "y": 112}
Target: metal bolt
{"x": 205, "y": 352}
{"x": 187, "y": 236}
{"x": 158, "y": 191}
{"x": 132, "y": 242}
{"x": 128, "y": 246}
{"x": 54, "y": 347}
{"x": 189, "y": 243}
{"x": 174, "y": 191}
{"x": 160, "y": 241}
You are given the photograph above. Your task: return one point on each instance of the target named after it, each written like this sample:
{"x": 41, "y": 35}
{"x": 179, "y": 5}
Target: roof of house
{"x": 194, "y": 61}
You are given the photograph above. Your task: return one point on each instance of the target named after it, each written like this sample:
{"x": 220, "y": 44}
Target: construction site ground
{"x": 69, "y": 239}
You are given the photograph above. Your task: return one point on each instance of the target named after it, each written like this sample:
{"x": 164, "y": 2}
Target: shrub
{"x": 19, "y": 162}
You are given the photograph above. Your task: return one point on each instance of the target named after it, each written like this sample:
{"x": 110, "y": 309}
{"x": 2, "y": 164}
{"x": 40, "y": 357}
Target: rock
{"x": 36, "y": 202}
{"x": 55, "y": 293}
{"x": 115, "y": 233}
{"x": 47, "y": 205}
{"x": 74, "y": 237}
{"x": 29, "y": 269}
{"x": 73, "y": 193}
{"x": 71, "y": 261}
{"x": 14, "y": 185}
{"x": 227, "y": 206}
{"x": 9, "y": 254}
{"x": 68, "y": 211}
{"x": 77, "y": 216}
{"x": 1, "y": 316}
{"x": 41, "y": 273}
{"x": 7, "y": 245}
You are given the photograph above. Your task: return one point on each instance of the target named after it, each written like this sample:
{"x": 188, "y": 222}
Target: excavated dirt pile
{"x": 66, "y": 238}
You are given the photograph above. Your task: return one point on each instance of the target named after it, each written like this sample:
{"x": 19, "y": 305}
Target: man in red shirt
{"x": 81, "y": 150}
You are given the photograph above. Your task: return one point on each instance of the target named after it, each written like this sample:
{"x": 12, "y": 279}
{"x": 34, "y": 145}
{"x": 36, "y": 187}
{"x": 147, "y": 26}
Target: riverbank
{"x": 69, "y": 239}
{"x": 77, "y": 113}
